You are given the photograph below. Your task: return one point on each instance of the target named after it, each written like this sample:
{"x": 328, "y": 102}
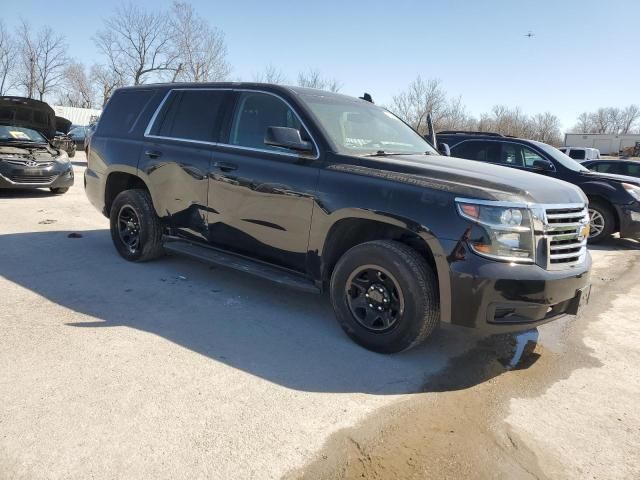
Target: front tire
{"x": 602, "y": 221}
{"x": 135, "y": 228}
{"x": 59, "y": 190}
{"x": 385, "y": 296}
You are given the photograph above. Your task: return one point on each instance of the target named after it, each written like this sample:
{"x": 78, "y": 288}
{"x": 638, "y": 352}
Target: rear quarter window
{"x": 123, "y": 110}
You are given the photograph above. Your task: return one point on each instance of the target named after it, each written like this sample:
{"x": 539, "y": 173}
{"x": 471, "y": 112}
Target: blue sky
{"x": 584, "y": 54}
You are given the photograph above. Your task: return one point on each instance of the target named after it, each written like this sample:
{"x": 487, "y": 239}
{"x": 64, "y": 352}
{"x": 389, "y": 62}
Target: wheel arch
{"x": 355, "y": 227}
{"x": 118, "y": 181}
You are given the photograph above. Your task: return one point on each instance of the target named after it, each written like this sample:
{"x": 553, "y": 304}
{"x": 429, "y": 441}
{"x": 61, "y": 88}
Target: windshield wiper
{"x": 382, "y": 153}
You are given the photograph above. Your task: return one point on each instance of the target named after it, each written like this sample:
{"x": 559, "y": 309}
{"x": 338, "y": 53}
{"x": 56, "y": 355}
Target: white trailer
{"x": 608, "y": 144}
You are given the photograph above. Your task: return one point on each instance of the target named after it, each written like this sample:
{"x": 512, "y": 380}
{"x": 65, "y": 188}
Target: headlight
{"x": 508, "y": 233}
{"x": 633, "y": 190}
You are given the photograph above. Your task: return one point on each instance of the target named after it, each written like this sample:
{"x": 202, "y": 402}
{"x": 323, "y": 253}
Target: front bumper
{"x": 57, "y": 175}
{"x": 629, "y": 216}
{"x": 496, "y": 297}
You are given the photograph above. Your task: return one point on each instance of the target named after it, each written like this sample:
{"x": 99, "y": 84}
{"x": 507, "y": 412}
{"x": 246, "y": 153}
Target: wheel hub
{"x": 378, "y": 297}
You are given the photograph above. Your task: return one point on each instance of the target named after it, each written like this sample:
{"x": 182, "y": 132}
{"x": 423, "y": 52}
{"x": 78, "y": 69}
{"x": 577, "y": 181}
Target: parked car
{"x": 614, "y": 200}
{"x": 580, "y": 154}
{"x": 28, "y": 159}
{"x": 61, "y": 139}
{"x": 325, "y": 192}
{"x": 78, "y": 134}
{"x": 87, "y": 136}
{"x": 630, "y": 168}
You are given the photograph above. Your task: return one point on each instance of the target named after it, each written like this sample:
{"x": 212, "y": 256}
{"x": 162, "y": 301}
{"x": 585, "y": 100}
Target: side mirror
{"x": 444, "y": 149}
{"x": 286, "y": 137}
{"x": 543, "y": 165}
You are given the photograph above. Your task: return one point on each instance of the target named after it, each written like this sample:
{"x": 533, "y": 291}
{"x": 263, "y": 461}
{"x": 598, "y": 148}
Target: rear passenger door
{"x": 261, "y": 197}
{"x": 177, "y": 156}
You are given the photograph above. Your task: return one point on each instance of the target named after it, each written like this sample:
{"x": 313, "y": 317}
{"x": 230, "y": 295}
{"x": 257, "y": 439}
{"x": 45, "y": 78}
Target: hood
{"x": 63, "y": 125}
{"x": 471, "y": 179}
{"x": 591, "y": 175}
{"x": 28, "y": 113}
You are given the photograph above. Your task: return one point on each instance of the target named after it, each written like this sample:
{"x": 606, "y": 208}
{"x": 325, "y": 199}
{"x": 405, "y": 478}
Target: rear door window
{"x": 190, "y": 115}
{"x": 478, "y": 150}
{"x": 606, "y": 167}
{"x": 122, "y": 111}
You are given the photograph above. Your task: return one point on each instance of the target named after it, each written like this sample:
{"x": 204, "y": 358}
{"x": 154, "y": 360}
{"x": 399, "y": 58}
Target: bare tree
{"x": 584, "y": 124}
{"x": 77, "y": 90}
{"x": 200, "y": 49}
{"x": 600, "y": 120}
{"x": 547, "y": 128}
{"x": 139, "y": 44}
{"x": 630, "y": 116}
{"x": 271, "y": 74}
{"x": 105, "y": 81}
{"x": 418, "y": 100}
{"x": 28, "y": 54}
{"x": 314, "y": 79}
{"x": 7, "y": 61}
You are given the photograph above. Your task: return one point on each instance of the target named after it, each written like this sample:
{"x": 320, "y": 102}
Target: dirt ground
{"x": 568, "y": 410}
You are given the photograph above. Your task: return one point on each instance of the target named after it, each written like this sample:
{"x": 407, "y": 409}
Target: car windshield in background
{"x": 361, "y": 128}
{"x": 20, "y": 134}
{"x": 563, "y": 159}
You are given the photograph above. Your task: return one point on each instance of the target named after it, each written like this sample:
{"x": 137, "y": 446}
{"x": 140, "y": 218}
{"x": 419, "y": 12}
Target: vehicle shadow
{"x": 284, "y": 336}
{"x": 616, "y": 243}
{"x": 25, "y": 193}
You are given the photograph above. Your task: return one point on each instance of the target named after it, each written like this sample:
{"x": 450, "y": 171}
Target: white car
{"x": 581, "y": 154}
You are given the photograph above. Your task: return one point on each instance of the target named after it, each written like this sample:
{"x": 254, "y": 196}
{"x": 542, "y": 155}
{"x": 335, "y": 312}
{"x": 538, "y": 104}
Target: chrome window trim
{"x": 154, "y": 117}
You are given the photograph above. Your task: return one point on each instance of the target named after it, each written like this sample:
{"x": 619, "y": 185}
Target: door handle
{"x": 153, "y": 153}
{"x": 225, "y": 167}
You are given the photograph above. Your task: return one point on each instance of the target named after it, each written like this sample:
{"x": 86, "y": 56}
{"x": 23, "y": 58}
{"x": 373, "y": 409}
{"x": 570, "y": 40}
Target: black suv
{"x": 614, "y": 200}
{"x": 326, "y": 192}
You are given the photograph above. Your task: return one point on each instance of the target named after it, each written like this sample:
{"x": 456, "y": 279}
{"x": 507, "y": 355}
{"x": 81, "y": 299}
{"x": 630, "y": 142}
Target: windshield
{"x": 560, "y": 157}
{"x": 20, "y": 134}
{"x": 357, "y": 127}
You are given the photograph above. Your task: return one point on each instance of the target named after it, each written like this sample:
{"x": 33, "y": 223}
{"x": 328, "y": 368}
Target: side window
{"x": 512, "y": 155}
{"x": 632, "y": 169}
{"x": 254, "y": 114}
{"x": 123, "y": 110}
{"x": 190, "y": 114}
{"x": 577, "y": 154}
{"x": 477, "y": 150}
{"x": 531, "y": 157}
{"x": 605, "y": 167}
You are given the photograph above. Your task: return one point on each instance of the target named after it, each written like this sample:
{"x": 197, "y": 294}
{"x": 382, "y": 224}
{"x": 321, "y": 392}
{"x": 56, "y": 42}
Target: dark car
{"x": 78, "y": 134}
{"x": 614, "y": 200}
{"x": 326, "y": 192}
{"x": 62, "y": 140}
{"x": 28, "y": 159}
{"x": 629, "y": 168}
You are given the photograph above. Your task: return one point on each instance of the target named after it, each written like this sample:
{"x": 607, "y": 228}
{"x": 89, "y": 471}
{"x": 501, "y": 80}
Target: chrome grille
{"x": 29, "y": 163}
{"x": 565, "y": 230}
{"x": 32, "y": 179}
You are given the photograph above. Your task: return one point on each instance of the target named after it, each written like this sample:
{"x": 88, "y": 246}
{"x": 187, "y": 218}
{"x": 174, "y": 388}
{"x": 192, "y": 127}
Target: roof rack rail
{"x": 467, "y": 132}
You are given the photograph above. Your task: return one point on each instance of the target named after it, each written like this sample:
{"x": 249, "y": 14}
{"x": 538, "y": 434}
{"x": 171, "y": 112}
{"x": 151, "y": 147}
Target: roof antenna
{"x": 367, "y": 98}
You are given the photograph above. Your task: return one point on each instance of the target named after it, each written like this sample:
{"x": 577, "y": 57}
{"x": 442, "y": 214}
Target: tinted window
{"x": 605, "y": 167}
{"x": 632, "y": 169}
{"x": 577, "y": 154}
{"x": 190, "y": 114}
{"x": 123, "y": 110}
{"x": 255, "y": 113}
{"x": 478, "y": 150}
{"x": 512, "y": 155}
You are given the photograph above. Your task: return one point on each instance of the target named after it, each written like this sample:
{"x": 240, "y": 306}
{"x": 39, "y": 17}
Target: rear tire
{"x": 59, "y": 191}
{"x": 602, "y": 220}
{"x": 135, "y": 228}
{"x": 385, "y": 296}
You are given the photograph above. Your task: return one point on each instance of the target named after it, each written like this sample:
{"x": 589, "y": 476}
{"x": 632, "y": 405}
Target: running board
{"x": 237, "y": 262}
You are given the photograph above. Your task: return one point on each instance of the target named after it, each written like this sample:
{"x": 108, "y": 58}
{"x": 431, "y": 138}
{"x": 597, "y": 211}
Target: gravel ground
{"x": 174, "y": 369}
